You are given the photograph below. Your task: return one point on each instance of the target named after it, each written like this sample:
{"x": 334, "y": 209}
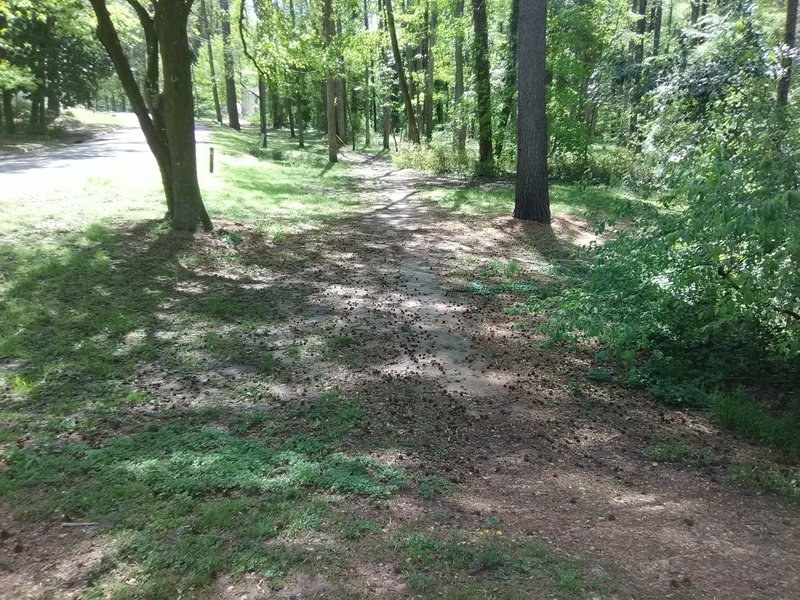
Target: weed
{"x": 674, "y": 451}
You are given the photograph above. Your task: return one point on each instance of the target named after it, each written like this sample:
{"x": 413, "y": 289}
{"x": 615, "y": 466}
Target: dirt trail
{"x": 551, "y": 461}
{"x": 375, "y": 303}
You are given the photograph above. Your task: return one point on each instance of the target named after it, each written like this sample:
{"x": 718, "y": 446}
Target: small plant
{"x": 268, "y": 363}
{"x": 767, "y": 477}
{"x": 433, "y": 486}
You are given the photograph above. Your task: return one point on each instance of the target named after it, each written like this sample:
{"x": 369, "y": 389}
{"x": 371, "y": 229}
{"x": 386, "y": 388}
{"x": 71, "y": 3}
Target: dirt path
{"x": 523, "y": 442}
{"x": 377, "y": 310}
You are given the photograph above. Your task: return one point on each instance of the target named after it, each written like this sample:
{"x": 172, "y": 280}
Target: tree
{"x": 786, "y": 60}
{"x": 460, "y": 133}
{"x": 205, "y": 31}
{"x": 509, "y": 78}
{"x": 532, "y": 198}
{"x": 230, "y": 79}
{"x": 166, "y": 117}
{"x": 413, "y": 131}
{"x": 483, "y": 85}
{"x": 329, "y": 30}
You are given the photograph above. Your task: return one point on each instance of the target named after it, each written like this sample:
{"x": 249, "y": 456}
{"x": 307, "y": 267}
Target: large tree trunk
{"x": 483, "y": 89}
{"x": 176, "y": 58}
{"x": 789, "y": 40}
{"x": 532, "y": 199}
{"x": 459, "y": 119}
{"x": 413, "y": 132}
{"x": 428, "y": 106}
{"x": 171, "y": 19}
{"x": 328, "y": 30}
{"x": 205, "y": 28}
{"x": 8, "y": 112}
{"x": 230, "y": 78}
{"x": 509, "y": 79}
{"x": 340, "y": 90}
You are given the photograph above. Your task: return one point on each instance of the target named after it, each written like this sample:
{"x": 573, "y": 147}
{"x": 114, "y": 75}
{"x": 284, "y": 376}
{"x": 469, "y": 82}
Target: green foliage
{"x": 674, "y": 451}
{"x": 437, "y": 157}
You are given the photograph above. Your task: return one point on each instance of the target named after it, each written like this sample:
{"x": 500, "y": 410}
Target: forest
{"x": 399, "y": 299}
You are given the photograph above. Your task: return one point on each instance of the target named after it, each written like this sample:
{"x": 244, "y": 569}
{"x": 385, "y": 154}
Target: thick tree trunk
{"x": 330, "y": 92}
{"x": 171, "y": 20}
{"x": 658, "y": 13}
{"x": 509, "y": 79}
{"x": 483, "y": 90}
{"x": 8, "y": 112}
{"x": 789, "y": 40}
{"x": 459, "y": 119}
{"x": 230, "y": 78}
{"x": 428, "y": 107}
{"x": 205, "y": 29}
{"x": 532, "y": 199}
{"x": 413, "y": 132}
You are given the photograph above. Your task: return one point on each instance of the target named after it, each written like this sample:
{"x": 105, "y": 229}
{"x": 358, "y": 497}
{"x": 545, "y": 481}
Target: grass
{"x": 487, "y": 563}
{"x": 674, "y": 451}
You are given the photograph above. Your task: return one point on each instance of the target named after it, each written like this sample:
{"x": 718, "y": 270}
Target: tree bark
{"x": 459, "y": 119}
{"x": 367, "y": 95}
{"x": 413, "y": 132}
{"x": 230, "y": 78}
{"x": 205, "y": 28}
{"x": 532, "y": 199}
{"x": 789, "y": 40}
{"x": 330, "y": 92}
{"x": 483, "y": 90}
{"x": 509, "y": 78}
{"x": 171, "y": 18}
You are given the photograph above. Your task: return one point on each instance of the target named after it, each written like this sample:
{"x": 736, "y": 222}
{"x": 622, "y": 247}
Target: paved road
{"x": 121, "y": 156}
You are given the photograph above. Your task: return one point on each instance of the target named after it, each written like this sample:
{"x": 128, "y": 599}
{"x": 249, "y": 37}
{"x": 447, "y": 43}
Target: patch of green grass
{"x": 745, "y": 415}
{"x": 472, "y": 566}
{"x": 354, "y": 529}
{"x": 432, "y": 487}
{"x": 188, "y": 504}
{"x": 767, "y": 477}
{"x": 674, "y": 451}
{"x": 601, "y": 206}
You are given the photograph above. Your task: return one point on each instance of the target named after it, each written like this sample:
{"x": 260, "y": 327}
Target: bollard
{"x": 211, "y": 160}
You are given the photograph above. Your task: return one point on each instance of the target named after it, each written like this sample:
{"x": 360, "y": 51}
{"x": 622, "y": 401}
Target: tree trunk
{"x": 428, "y": 106}
{"x": 789, "y": 40}
{"x": 387, "y": 126}
{"x": 638, "y": 84}
{"x": 330, "y": 92}
{"x": 483, "y": 90}
{"x": 413, "y": 132}
{"x": 262, "y": 109}
{"x": 340, "y": 90}
{"x": 367, "y": 95}
{"x": 205, "y": 29}
{"x": 657, "y": 18}
{"x": 459, "y": 119}
{"x": 171, "y": 21}
{"x": 509, "y": 79}
{"x": 230, "y": 78}
{"x": 532, "y": 199}
{"x": 8, "y": 112}
{"x": 291, "y": 118}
